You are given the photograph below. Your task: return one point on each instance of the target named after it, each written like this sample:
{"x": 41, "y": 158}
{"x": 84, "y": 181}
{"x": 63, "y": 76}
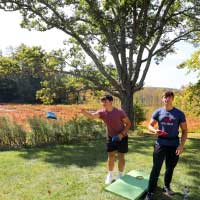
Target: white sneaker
{"x": 109, "y": 179}
{"x": 119, "y": 176}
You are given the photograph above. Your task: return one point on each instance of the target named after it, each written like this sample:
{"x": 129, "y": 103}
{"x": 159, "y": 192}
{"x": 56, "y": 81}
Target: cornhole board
{"x": 131, "y": 186}
{"x": 51, "y": 115}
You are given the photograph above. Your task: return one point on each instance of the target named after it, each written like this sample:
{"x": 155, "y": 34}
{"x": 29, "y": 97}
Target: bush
{"x": 42, "y": 131}
{"x": 49, "y": 132}
{"x": 75, "y": 130}
{"x": 11, "y": 134}
{"x": 139, "y": 113}
{"x": 81, "y": 128}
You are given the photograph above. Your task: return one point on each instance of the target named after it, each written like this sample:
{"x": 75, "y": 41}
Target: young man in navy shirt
{"x": 167, "y": 146}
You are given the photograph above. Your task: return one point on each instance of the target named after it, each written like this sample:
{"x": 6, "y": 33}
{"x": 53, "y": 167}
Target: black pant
{"x": 160, "y": 154}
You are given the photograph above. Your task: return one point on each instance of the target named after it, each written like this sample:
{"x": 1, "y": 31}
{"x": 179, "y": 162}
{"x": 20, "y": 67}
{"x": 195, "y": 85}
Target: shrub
{"x": 81, "y": 128}
{"x": 139, "y": 113}
{"x": 42, "y": 132}
{"x": 11, "y": 134}
{"x": 75, "y": 130}
{"x": 49, "y": 132}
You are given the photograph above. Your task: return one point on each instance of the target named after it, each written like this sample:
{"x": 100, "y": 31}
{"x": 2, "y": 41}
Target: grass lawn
{"x": 77, "y": 172}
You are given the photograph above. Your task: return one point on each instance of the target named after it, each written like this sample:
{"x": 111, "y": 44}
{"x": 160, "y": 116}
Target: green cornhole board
{"x": 131, "y": 186}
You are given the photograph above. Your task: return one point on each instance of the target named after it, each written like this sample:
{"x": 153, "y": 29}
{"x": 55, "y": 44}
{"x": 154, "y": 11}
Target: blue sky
{"x": 164, "y": 75}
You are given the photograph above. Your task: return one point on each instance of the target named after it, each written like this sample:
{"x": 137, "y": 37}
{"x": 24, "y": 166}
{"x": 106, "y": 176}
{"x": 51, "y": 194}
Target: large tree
{"x": 112, "y": 42}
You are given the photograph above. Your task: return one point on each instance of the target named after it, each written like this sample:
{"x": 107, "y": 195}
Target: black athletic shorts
{"x": 120, "y": 146}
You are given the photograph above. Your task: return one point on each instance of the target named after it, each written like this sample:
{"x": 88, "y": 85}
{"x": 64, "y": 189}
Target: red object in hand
{"x": 161, "y": 133}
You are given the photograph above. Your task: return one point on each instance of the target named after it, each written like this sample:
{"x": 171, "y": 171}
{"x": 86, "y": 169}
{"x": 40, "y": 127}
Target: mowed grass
{"x": 77, "y": 172}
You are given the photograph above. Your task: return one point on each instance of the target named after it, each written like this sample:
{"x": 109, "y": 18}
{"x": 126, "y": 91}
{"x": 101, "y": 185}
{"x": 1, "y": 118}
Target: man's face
{"x": 167, "y": 100}
{"x": 106, "y": 103}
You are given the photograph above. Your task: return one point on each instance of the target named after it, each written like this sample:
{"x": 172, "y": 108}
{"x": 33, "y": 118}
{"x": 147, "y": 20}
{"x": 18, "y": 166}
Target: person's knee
{"x": 111, "y": 157}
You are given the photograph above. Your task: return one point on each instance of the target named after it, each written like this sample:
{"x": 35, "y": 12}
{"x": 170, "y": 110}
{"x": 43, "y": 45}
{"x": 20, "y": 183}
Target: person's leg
{"x": 158, "y": 158}
{"x": 111, "y": 149}
{"x": 111, "y": 161}
{"x": 122, "y": 149}
{"x": 110, "y": 166}
{"x": 171, "y": 162}
{"x": 121, "y": 164}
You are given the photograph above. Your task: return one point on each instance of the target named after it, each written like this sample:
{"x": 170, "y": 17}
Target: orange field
{"x": 21, "y": 112}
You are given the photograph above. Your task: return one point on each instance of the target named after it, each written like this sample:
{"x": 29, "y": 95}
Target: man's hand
{"x": 82, "y": 110}
{"x": 161, "y": 133}
{"x": 120, "y": 136}
{"x": 117, "y": 138}
{"x": 179, "y": 150}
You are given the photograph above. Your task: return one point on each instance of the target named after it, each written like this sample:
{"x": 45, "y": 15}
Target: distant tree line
{"x": 151, "y": 96}
{"x": 32, "y": 75}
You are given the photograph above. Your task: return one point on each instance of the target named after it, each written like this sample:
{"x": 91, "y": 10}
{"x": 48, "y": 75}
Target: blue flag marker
{"x": 51, "y": 115}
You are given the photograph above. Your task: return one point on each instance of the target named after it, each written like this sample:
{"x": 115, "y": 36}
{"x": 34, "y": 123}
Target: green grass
{"x": 77, "y": 172}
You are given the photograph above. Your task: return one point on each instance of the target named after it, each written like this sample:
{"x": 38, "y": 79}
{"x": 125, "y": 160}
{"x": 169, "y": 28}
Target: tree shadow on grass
{"x": 142, "y": 144}
{"x": 83, "y": 155}
{"x": 159, "y": 195}
{"x": 191, "y": 159}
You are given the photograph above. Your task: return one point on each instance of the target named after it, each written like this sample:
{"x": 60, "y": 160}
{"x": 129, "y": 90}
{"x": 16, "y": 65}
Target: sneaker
{"x": 168, "y": 191}
{"x": 109, "y": 179}
{"x": 119, "y": 176}
{"x": 149, "y": 196}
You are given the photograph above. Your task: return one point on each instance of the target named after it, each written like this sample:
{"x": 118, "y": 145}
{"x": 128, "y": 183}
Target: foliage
{"x": 30, "y": 75}
{"x": 139, "y": 112}
{"x": 189, "y": 98}
{"x": 11, "y": 134}
{"x": 76, "y": 130}
{"x": 45, "y": 132}
{"x": 120, "y": 38}
{"x": 193, "y": 63}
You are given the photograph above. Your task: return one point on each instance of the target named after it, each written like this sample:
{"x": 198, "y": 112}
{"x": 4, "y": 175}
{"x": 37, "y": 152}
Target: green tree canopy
{"x": 112, "y": 43}
{"x": 193, "y": 63}
{"x": 27, "y": 70}
{"x": 190, "y": 95}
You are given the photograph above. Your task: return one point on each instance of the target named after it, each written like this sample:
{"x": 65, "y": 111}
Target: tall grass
{"x": 75, "y": 130}
{"x": 11, "y": 134}
{"x": 44, "y": 132}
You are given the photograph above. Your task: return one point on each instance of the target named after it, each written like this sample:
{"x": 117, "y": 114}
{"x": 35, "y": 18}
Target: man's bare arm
{"x": 94, "y": 115}
{"x": 151, "y": 126}
{"x": 127, "y": 124}
{"x": 183, "y": 138}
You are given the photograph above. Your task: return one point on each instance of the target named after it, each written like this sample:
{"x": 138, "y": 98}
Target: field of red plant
{"x": 21, "y": 112}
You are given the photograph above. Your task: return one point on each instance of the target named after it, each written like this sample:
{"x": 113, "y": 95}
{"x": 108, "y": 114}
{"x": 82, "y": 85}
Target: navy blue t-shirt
{"x": 169, "y": 121}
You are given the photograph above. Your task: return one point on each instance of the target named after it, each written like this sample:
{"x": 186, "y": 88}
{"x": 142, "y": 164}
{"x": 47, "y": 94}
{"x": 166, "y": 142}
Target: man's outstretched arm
{"x": 94, "y": 115}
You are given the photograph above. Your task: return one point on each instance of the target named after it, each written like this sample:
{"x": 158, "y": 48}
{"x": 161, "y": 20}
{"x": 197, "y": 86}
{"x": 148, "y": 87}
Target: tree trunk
{"x": 127, "y": 106}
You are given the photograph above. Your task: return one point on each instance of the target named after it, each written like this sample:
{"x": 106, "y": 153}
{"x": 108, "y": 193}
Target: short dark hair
{"x": 168, "y": 93}
{"x": 107, "y": 97}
